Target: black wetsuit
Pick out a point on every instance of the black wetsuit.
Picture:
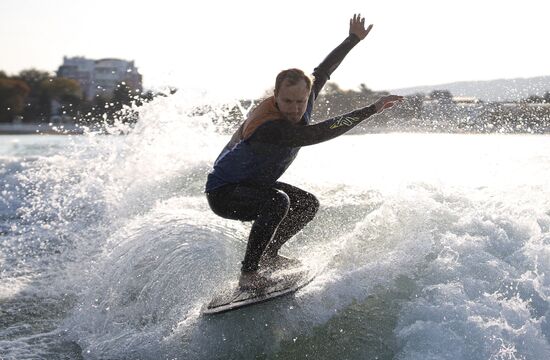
(243, 184)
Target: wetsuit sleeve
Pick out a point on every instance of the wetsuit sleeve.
(284, 133)
(326, 67)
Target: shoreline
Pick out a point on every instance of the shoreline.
(75, 129)
(40, 128)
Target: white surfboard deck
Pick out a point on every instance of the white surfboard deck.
(234, 297)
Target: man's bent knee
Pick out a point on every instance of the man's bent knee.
(310, 205)
(280, 203)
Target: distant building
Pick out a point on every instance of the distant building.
(100, 77)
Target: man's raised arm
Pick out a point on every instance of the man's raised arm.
(357, 32)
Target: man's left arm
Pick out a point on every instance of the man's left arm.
(284, 133)
(357, 32)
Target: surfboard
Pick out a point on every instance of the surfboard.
(234, 297)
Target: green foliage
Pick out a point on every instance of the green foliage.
(535, 99)
(12, 98)
(334, 101)
(33, 76)
(441, 95)
(37, 105)
(122, 96)
(61, 89)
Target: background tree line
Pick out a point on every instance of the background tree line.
(30, 94)
(34, 96)
(437, 111)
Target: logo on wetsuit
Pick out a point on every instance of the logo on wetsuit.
(343, 121)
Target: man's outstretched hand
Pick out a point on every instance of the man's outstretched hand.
(386, 102)
(357, 26)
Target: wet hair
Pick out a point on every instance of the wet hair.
(293, 76)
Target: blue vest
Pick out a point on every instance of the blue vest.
(262, 164)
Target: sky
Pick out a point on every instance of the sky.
(236, 48)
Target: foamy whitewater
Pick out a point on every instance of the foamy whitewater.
(428, 246)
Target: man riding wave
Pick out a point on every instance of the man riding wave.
(243, 184)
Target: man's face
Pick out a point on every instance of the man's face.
(292, 100)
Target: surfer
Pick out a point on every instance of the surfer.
(243, 184)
